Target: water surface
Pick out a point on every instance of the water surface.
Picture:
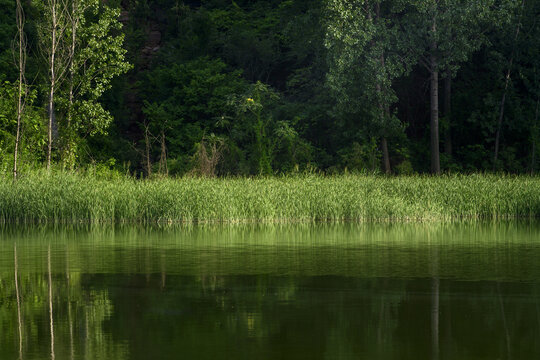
(327, 291)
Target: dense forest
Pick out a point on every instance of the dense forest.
(259, 87)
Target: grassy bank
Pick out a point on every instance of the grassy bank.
(71, 197)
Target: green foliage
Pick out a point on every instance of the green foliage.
(460, 28)
(250, 36)
(341, 74)
(253, 123)
(186, 100)
(364, 61)
(98, 58)
(272, 144)
(361, 157)
(7, 34)
(32, 125)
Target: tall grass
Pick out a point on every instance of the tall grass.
(67, 197)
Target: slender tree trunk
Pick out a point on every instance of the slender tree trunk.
(434, 118)
(52, 60)
(58, 59)
(74, 19)
(499, 121)
(50, 125)
(448, 113)
(19, 317)
(535, 136)
(163, 156)
(386, 157)
(70, 106)
(503, 99)
(434, 95)
(533, 159)
(384, 142)
(383, 107)
(21, 92)
(147, 148)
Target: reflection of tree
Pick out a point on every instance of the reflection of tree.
(104, 315)
(435, 305)
(19, 318)
(41, 313)
(504, 322)
(192, 297)
(51, 322)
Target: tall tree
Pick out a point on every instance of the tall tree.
(21, 64)
(76, 16)
(505, 90)
(94, 57)
(82, 43)
(441, 34)
(363, 65)
(53, 46)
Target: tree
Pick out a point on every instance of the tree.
(53, 46)
(252, 113)
(529, 71)
(31, 143)
(506, 82)
(81, 39)
(95, 56)
(363, 65)
(182, 103)
(441, 34)
(21, 63)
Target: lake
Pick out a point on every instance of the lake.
(298, 291)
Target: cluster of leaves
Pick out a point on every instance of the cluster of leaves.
(33, 126)
(85, 50)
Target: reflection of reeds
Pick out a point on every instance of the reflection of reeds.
(477, 250)
(62, 197)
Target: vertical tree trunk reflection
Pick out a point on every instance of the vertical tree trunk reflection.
(537, 309)
(50, 301)
(505, 324)
(435, 305)
(19, 317)
(71, 352)
(163, 270)
(70, 321)
(435, 318)
(382, 317)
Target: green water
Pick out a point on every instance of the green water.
(342, 291)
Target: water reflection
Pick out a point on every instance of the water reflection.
(385, 291)
(19, 319)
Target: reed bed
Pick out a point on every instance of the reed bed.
(70, 197)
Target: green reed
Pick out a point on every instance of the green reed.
(66, 197)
